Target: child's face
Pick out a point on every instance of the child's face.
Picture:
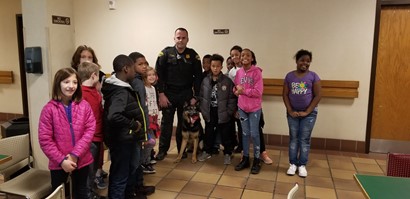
(246, 57)
(303, 63)
(141, 65)
(86, 56)
(151, 77)
(229, 64)
(236, 57)
(206, 63)
(68, 87)
(216, 67)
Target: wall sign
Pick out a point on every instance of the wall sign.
(221, 31)
(61, 20)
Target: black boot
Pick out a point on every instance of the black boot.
(256, 166)
(144, 190)
(243, 164)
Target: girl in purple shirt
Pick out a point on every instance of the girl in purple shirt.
(301, 95)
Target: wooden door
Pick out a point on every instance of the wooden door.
(390, 130)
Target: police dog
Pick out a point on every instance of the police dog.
(191, 125)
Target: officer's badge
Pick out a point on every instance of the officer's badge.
(187, 56)
(160, 54)
(223, 88)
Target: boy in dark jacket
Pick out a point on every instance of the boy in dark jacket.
(218, 103)
(123, 119)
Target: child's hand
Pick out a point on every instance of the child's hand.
(68, 165)
(239, 89)
(72, 158)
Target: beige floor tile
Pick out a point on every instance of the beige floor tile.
(317, 156)
(151, 180)
(260, 185)
(186, 164)
(268, 172)
(168, 162)
(382, 162)
(209, 168)
(318, 171)
(338, 157)
(188, 196)
(168, 184)
(275, 158)
(162, 194)
(341, 164)
(319, 192)
(364, 160)
(232, 181)
(198, 188)
(318, 163)
(284, 188)
(349, 154)
(318, 181)
(180, 174)
(280, 196)
(273, 152)
(370, 173)
(226, 192)
(282, 177)
(374, 168)
(384, 169)
(343, 194)
(161, 171)
(230, 170)
(349, 185)
(342, 174)
(252, 194)
(206, 178)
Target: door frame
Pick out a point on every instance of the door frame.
(379, 5)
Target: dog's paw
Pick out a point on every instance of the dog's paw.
(194, 160)
(177, 160)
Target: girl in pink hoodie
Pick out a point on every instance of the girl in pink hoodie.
(249, 89)
(65, 131)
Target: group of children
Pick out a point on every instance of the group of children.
(234, 97)
(74, 125)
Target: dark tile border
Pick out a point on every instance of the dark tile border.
(320, 143)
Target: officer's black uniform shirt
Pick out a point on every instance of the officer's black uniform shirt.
(178, 71)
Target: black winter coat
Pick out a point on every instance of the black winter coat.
(227, 101)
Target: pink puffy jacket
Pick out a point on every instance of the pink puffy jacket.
(55, 135)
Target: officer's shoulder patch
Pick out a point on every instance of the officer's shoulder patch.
(161, 54)
(197, 57)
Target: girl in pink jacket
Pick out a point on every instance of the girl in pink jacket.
(249, 89)
(66, 128)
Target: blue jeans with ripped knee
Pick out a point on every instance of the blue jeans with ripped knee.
(250, 129)
(300, 131)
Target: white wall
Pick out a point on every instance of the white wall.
(56, 42)
(340, 34)
(10, 94)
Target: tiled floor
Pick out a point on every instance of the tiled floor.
(330, 175)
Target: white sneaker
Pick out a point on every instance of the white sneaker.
(292, 170)
(302, 171)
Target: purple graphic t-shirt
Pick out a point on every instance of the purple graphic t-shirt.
(301, 89)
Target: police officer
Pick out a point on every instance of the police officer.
(179, 79)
